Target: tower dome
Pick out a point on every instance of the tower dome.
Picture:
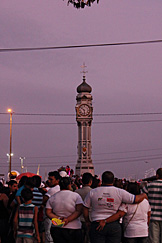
(84, 87)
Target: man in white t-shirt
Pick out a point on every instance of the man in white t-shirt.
(105, 201)
(53, 180)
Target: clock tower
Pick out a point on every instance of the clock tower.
(84, 119)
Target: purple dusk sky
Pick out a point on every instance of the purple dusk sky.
(124, 79)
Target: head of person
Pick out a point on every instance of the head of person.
(29, 183)
(96, 182)
(159, 174)
(12, 177)
(53, 178)
(26, 194)
(118, 183)
(107, 178)
(65, 183)
(133, 188)
(22, 181)
(12, 184)
(87, 179)
(36, 180)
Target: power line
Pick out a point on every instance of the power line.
(94, 154)
(39, 123)
(137, 121)
(102, 114)
(129, 114)
(73, 123)
(94, 161)
(73, 115)
(78, 46)
(142, 157)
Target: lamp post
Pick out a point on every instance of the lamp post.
(22, 163)
(10, 154)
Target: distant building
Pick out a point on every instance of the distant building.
(84, 112)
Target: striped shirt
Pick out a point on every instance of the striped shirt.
(154, 193)
(37, 197)
(26, 216)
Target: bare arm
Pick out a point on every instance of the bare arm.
(5, 200)
(45, 199)
(50, 213)
(86, 217)
(112, 218)
(12, 205)
(86, 214)
(140, 198)
(36, 223)
(148, 219)
(18, 200)
(115, 216)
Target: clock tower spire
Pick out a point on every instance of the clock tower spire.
(84, 119)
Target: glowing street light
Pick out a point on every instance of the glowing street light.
(10, 154)
(22, 163)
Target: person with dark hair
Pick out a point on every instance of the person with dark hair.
(53, 180)
(96, 182)
(107, 177)
(118, 183)
(87, 182)
(77, 181)
(66, 205)
(87, 178)
(105, 201)
(11, 192)
(25, 215)
(22, 181)
(21, 186)
(154, 192)
(28, 183)
(37, 180)
(3, 215)
(11, 183)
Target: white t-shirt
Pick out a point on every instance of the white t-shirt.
(137, 227)
(52, 191)
(106, 200)
(63, 204)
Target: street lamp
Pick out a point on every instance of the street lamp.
(22, 163)
(10, 154)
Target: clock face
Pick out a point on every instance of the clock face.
(84, 110)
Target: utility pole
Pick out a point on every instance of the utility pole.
(10, 154)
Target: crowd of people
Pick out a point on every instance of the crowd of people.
(86, 209)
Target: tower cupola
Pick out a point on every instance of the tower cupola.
(84, 87)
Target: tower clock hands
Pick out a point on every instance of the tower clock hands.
(84, 109)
